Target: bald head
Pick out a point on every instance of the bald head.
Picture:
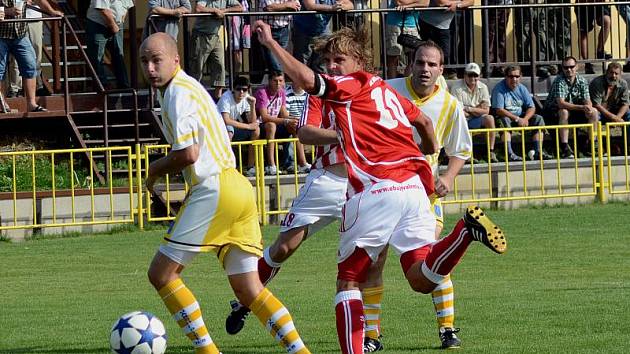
(160, 40)
(158, 54)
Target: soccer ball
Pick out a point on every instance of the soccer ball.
(138, 333)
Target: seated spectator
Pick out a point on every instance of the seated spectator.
(207, 47)
(14, 40)
(609, 94)
(309, 27)
(238, 109)
(276, 123)
(514, 107)
(104, 30)
(296, 100)
(171, 11)
(474, 96)
(587, 17)
(398, 57)
(570, 102)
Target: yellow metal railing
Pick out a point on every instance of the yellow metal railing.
(86, 201)
(100, 208)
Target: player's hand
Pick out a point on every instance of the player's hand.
(443, 186)
(264, 33)
(150, 183)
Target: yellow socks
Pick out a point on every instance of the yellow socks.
(372, 309)
(181, 303)
(443, 303)
(277, 319)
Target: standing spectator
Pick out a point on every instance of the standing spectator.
(104, 29)
(207, 47)
(587, 17)
(497, 22)
(435, 25)
(514, 107)
(552, 28)
(14, 40)
(238, 109)
(569, 101)
(241, 35)
(309, 27)
(475, 97)
(272, 112)
(624, 12)
(462, 29)
(35, 35)
(171, 11)
(296, 100)
(609, 94)
(279, 27)
(396, 23)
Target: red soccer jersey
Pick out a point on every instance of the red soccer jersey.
(373, 124)
(315, 115)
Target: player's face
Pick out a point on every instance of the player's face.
(426, 67)
(341, 64)
(158, 67)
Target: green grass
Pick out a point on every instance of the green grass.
(563, 287)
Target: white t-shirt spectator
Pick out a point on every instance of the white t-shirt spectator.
(237, 111)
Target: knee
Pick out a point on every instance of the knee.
(563, 116)
(421, 287)
(157, 278)
(270, 130)
(488, 121)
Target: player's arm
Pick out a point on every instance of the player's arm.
(424, 126)
(173, 162)
(458, 148)
(311, 135)
(301, 74)
(446, 180)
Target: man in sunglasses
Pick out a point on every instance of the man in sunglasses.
(514, 107)
(238, 109)
(569, 101)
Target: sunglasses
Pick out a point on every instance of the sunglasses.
(514, 76)
(567, 67)
(242, 89)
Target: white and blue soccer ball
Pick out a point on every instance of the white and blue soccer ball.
(138, 333)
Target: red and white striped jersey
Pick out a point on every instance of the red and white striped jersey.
(315, 115)
(374, 129)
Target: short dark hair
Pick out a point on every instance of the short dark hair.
(241, 81)
(275, 73)
(508, 69)
(613, 65)
(429, 44)
(569, 57)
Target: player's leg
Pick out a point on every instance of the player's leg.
(349, 314)
(443, 295)
(164, 275)
(424, 276)
(372, 293)
(241, 268)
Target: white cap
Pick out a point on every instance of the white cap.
(472, 68)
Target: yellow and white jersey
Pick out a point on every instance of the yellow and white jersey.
(189, 116)
(447, 115)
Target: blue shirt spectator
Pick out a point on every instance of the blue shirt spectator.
(514, 101)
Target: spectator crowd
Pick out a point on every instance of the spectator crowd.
(273, 111)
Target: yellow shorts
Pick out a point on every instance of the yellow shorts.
(436, 207)
(219, 213)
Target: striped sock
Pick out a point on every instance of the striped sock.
(277, 319)
(350, 321)
(444, 303)
(181, 303)
(372, 309)
(446, 253)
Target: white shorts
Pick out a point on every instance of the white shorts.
(236, 261)
(319, 202)
(398, 214)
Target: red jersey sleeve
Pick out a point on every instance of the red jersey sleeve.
(312, 113)
(341, 88)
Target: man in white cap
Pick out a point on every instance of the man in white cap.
(475, 97)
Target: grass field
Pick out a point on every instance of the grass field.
(563, 287)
